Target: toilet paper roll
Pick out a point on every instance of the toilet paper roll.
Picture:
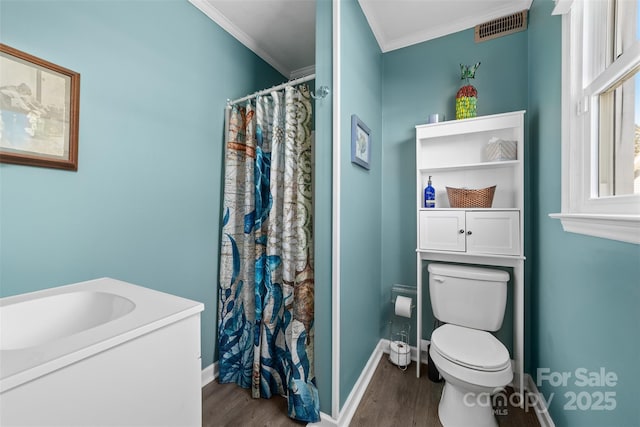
(403, 306)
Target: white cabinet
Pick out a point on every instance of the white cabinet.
(442, 230)
(493, 232)
(477, 232)
(454, 154)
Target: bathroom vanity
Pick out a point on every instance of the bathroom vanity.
(100, 353)
(458, 154)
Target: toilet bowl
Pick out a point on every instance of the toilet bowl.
(474, 364)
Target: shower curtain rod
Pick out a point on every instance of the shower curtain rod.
(271, 89)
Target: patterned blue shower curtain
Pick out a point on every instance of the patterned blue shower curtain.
(266, 307)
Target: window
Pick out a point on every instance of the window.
(619, 139)
(601, 118)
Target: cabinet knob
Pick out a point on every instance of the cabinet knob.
(461, 231)
(469, 233)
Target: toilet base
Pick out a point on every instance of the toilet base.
(462, 408)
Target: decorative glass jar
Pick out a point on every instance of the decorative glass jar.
(467, 96)
(466, 102)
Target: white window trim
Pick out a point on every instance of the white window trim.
(616, 218)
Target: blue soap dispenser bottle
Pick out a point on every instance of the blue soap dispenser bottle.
(429, 195)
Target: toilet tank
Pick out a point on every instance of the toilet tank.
(468, 296)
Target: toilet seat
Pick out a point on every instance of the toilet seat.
(471, 348)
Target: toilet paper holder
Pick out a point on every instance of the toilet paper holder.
(399, 348)
(405, 291)
(402, 290)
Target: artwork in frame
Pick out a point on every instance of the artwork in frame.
(39, 110)
(360, 143)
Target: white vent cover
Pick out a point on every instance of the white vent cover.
(501, 27)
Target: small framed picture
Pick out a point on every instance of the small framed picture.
(360, 143)
(39, 108)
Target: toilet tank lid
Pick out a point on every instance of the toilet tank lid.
(466, 272)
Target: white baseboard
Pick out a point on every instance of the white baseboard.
(360, 387)
(325, 421)
(544, 418)
(209, 373)
(357, 392)
(414, 351)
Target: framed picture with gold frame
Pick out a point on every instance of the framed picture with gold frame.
(39, 111)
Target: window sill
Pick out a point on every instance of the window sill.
(625, 228)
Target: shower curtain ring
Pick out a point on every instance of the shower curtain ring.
(321, 92)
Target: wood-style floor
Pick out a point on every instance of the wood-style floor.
(394, 398)
(230, 405)
(397, 398)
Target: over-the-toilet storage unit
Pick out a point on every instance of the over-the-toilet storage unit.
(454, 154)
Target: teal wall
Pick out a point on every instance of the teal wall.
(144, 206)
(360, 197)
(585, 293)
(417, 81)
(323, 208)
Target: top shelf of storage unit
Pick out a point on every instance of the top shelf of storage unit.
(474, 125)
(461, 144)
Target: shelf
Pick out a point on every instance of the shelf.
(512, 120)
(424, 252)
(472, 166)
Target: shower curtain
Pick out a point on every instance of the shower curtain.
(266, 295)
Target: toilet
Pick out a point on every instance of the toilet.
(474, 364)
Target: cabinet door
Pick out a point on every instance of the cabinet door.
(442, 230)
(493, 232)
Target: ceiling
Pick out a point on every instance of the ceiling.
(282, 32)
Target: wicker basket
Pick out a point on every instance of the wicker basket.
(466, 198)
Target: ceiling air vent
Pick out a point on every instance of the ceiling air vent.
(501, 27)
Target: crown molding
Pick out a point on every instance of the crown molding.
(217, 17)
(450, 27)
